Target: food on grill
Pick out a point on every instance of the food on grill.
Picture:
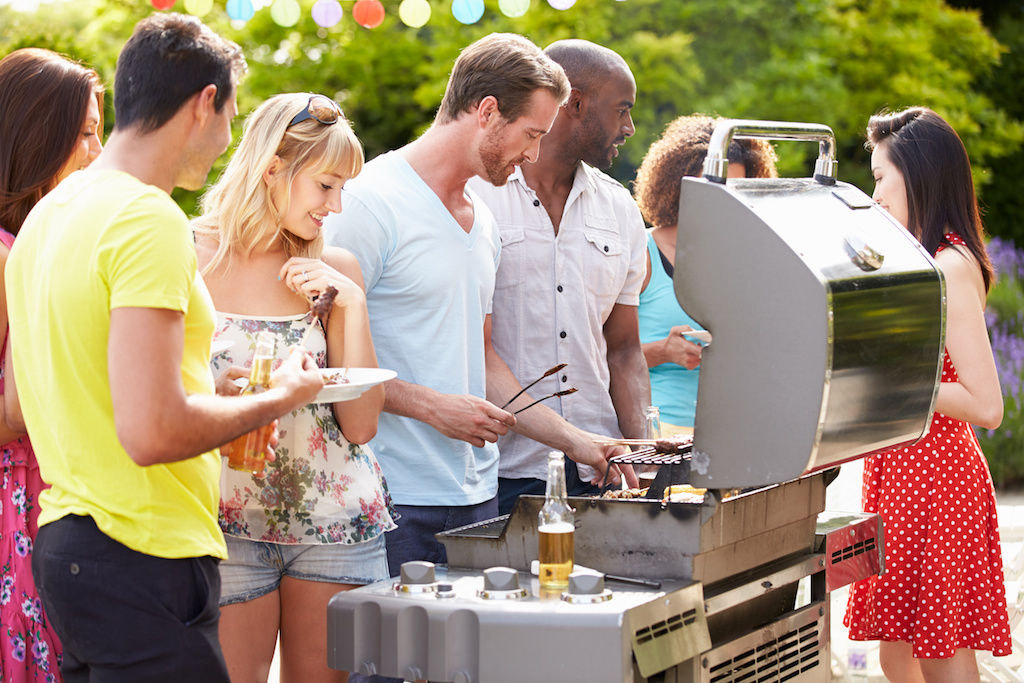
(677, 493)
(624, 493)
(673, 445)
(340, 377)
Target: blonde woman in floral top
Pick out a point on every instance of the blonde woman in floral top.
(315, 523)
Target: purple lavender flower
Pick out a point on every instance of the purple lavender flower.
(1006, 259)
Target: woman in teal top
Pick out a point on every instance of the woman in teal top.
(673, 356)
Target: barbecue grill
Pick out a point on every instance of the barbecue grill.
(828, 330)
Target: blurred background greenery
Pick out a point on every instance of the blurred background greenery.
(825, 61)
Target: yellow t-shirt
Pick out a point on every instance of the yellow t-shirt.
(103, 240)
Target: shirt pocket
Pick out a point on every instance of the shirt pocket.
(603, 259)
(511, 265)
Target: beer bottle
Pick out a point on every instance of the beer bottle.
(652, 431)
(555, 528)
(248, 451)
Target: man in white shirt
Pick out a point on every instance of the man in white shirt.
(428, 249)
(568, 284)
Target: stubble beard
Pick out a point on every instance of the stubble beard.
(497, 169)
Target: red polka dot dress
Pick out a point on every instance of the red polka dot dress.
(943, 583)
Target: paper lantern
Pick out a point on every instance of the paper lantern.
(240, 10)
(561, 4)
(414, 13)
(162, 4)
(198, 7)
(285, 12)
(468, 11)
(326, 13)
(513, 8)
(368, 13)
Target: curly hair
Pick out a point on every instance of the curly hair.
(679, 152)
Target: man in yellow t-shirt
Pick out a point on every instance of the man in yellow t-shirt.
(110, 330)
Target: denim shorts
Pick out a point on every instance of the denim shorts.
(255, 568)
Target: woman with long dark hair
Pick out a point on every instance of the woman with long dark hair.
(942, 594)
(51, 117)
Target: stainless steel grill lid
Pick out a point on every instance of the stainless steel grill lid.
(827, 318)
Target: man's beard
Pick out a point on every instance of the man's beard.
(496, 168)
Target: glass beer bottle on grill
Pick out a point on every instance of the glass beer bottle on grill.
(652, 432)
(248, 452)
(555, 528)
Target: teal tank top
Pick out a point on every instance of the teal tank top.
(673, 387)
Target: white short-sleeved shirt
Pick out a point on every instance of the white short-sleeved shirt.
(554, 293)
(429, 285)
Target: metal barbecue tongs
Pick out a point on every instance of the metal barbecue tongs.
(551, 371)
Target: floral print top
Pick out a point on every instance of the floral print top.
(321, 488)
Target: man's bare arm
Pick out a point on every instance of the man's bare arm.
(630, 385)
(156, 420)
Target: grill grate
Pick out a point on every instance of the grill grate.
(777, 660)
(648, 456)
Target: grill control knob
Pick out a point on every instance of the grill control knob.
(586, 583)
(417, 573)
(501, 579)
(501, 583)
(586, 587)
(417, 577)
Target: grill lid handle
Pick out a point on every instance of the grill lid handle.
(716, 164)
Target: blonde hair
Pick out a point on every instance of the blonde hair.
(238, 211)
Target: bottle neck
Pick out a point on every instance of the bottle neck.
(556, 480)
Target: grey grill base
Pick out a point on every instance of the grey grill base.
(794, 647)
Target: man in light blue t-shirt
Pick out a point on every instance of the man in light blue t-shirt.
(429, 250)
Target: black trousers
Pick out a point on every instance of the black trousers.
(122, 615)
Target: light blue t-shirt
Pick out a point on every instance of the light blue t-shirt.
(673, 387)
(429, 286)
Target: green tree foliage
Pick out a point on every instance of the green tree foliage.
(827, 61)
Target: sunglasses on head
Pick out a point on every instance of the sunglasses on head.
(320, 108)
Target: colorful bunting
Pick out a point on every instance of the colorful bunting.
(513, 8)
(326, 13)
(467, 11)
(414, 13)
(368, 13)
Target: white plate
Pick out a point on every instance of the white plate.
(359, 380)
(219, 346)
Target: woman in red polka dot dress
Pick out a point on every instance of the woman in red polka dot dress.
(942, 594)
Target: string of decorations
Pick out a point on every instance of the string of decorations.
(367, 13)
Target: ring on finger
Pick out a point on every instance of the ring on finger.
(305, 276)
